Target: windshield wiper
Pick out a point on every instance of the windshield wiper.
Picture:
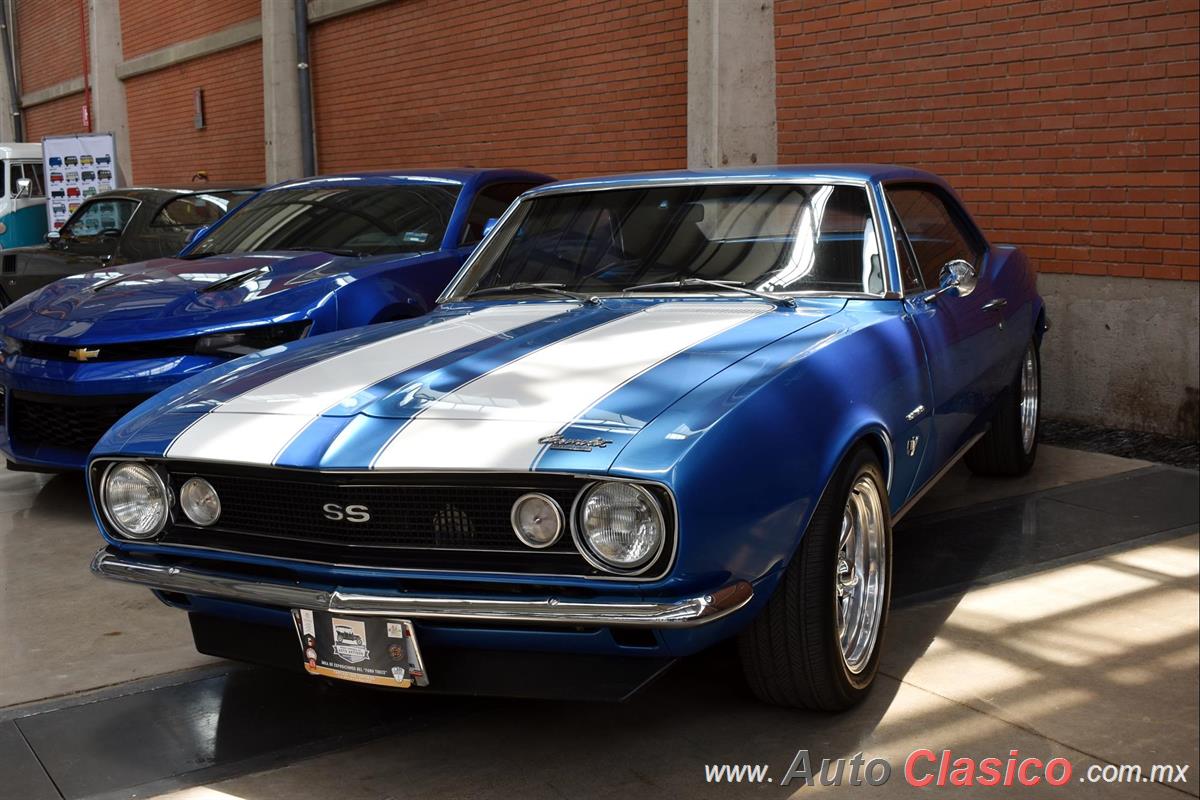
(333, 251)
(549, 288)
(733, 286)
(195, 256)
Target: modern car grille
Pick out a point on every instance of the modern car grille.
(157, 348)
(425, 521)
(124, 351)
(70, 423)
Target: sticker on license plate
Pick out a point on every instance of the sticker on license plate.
(373, 650)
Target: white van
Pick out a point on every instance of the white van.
(23, 201)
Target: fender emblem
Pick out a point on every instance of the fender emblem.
(559, 442)
(83, 354)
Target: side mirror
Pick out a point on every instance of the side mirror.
(52, 238)
(24, 188)
(195, 235)
(487, 226)
(957, 278)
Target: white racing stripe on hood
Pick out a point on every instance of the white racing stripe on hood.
(495, 421)
(255, 427)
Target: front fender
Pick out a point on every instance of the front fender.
(749, 454)
(405, 289)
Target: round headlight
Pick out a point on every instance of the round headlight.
(537, 520)
(621, 526)
(199, 501)
(135, 500)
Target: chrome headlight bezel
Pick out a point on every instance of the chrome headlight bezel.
(584, 547)
(119, 529)
(196, 480)
(560, 518)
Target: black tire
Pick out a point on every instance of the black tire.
(791, 653)
(1001, 452)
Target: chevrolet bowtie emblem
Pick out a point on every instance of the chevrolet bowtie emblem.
(83, 354)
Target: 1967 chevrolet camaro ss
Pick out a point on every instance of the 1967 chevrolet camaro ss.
(652, 412)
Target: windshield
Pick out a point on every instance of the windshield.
(775, 238)
(370, 220)
(194, 210)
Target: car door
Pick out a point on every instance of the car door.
(960, 328)
(86, 242)
(93, 233)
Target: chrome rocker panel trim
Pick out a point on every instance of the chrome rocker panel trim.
(684, 613)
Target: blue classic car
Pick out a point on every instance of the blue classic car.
(299, 259)
(652, 412)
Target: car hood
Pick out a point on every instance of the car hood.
(152, 298)
(475, 386)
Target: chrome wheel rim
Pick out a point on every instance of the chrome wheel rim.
(860, 574)
(1029, 399)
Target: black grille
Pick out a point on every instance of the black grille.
(400, 515)
(416, 521)
(124, 351)
(70, 423)
(259, 337)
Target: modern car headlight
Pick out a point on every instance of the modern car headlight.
(537, 520)
(9, 346)
(250, 340)
(200, 502)
(621, 526)
(135, 500)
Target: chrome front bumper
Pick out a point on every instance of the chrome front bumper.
(683, 613)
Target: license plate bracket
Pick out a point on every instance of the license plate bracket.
(381, 651)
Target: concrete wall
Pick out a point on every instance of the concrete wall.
(1122, 352)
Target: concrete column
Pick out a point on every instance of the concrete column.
(281, 92)
(108, 92)
(7, 128)
(731, 83)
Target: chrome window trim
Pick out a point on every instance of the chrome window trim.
(137, 206)
(937, 189)
(889, 284)
(545, 577)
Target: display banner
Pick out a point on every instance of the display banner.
(77, 166)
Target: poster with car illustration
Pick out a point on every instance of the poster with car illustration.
(80, 165)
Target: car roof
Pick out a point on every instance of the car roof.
(857, 173)
(162, 193)
(395, 177)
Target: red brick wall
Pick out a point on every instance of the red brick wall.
(148, 25)
(1069, 127)
(59, 116)
(567, 86)
(51, 47)
(167, 148)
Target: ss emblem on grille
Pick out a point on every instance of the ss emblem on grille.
(348, 513)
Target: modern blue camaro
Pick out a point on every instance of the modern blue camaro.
(300, 259)
(651, 413)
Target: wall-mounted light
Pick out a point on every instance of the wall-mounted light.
(198, 102)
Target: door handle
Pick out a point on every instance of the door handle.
(995, 304)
